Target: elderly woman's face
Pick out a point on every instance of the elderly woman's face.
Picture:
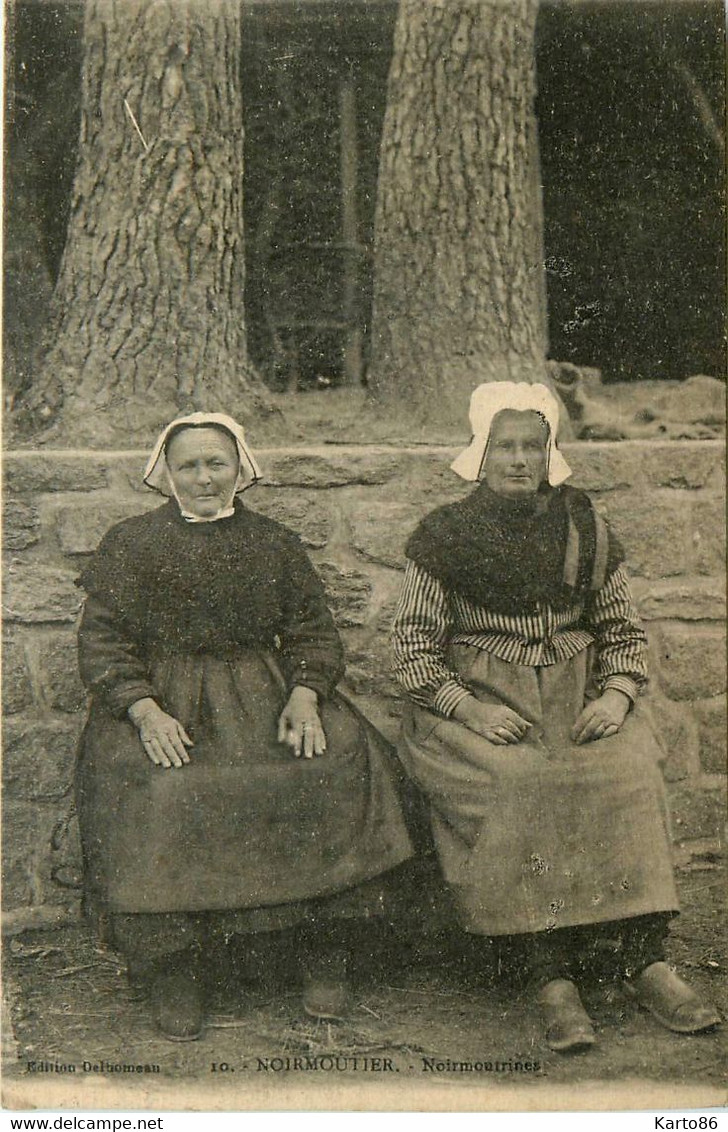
(203, 465)
(516, 459)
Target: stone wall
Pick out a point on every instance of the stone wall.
(353, 508)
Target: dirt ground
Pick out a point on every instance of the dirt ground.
(420, 1002)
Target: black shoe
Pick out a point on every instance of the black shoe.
(325, 987)
(139, 976)
(178, 1006)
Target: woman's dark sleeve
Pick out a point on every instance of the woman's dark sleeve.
(312, 650)
(109, 661)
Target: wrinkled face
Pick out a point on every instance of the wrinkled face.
(203, 465)
(516, 458)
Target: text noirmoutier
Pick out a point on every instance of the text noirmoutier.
(327, 1063)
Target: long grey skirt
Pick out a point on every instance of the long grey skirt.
(245, 825)
(543, 834)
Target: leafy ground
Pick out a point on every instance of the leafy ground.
(416, 999)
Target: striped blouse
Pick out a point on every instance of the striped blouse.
(429, 618)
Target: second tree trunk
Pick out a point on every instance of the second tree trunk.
(459, 294)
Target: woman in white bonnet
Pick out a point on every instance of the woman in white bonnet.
(224, 786)
(521, 652)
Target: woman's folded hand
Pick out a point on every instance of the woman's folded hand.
(602, 717)
(299, 725)
(495, 722)
(163, 737)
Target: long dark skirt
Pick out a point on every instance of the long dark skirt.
(543, 834)
(245, 827)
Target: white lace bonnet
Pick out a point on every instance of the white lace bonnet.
(492, 398)
(156, 474)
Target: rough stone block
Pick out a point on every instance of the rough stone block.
(128, 469)
(717, 478)
(603, 466)
(697, 812)
(35, 593)
(708, 534)
(42, 917)
(609, 465)
(380, 531)
(16, 687)
(62, 687)
(699, 399)
(677, 731)
(21, 525)
(54, 471)
(369, 669)
(712, 726)
(67, 859)
(27, 830)
(692, 660)
(687, 465)
(654, 528)
(348, 592)
(309, 515)
(38, 759)
(686, 599)
(389, 603)
(428, 481)
(430, 484)
(80, 529)
(332, 467)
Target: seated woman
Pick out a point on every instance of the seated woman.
(518, 644)
(223, 786)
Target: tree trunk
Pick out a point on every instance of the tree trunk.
(148, 313)
(459, 288)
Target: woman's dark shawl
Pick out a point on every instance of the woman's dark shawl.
(243, 582)
(510, 556)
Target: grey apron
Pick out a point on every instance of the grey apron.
(543, 834)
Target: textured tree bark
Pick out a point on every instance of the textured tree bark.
(148, 313)
(459, 289)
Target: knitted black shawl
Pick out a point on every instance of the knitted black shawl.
(240, 582)
(508, 555)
